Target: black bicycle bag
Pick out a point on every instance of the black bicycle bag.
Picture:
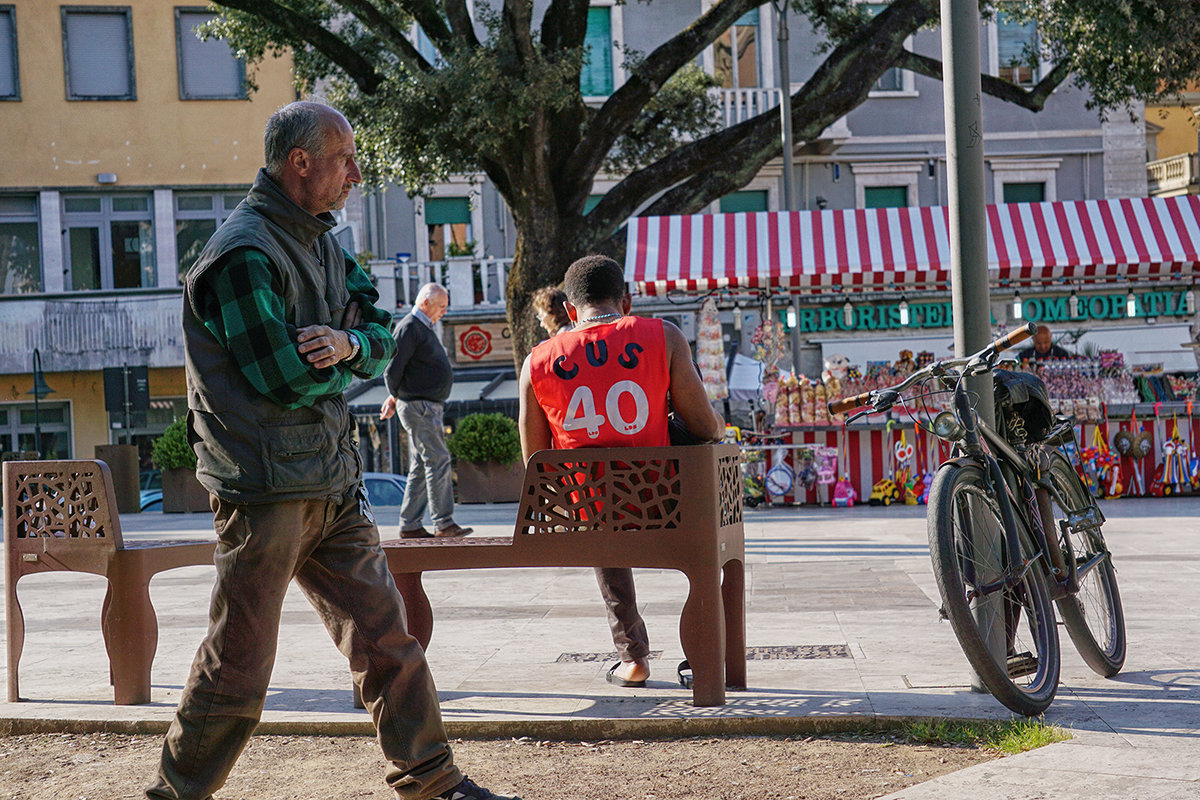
(1023, 410)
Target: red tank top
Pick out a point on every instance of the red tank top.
(604, 385)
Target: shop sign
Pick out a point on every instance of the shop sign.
(881, 316)
(482, 343)
(1169, 303)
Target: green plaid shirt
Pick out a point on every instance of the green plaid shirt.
(244, 310)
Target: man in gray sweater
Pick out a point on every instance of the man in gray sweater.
(418, 380)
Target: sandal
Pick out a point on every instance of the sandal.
(611, 677)
(684, 671)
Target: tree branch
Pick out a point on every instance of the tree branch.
(623, 106)
(397, 42)
(1033, 99)
(461, 23)
(564, 25)
(303, 30)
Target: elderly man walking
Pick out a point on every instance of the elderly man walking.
(277, 321)
(419, 380)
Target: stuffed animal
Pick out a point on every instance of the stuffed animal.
(836, 366)
(906, 365)
(844, 494)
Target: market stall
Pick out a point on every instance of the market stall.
(1114, 278)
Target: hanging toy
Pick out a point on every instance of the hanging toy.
(844, 493)
(1175, 459)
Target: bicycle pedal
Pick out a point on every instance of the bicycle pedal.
(1022, 664)
(942, 615)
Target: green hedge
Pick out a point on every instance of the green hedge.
(171, 450)
(485, 437)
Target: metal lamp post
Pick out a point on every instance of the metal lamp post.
(40, 389)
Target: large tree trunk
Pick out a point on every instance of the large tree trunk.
(542, 253)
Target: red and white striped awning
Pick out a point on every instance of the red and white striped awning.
(891, 248)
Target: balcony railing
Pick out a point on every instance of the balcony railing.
(1174, 176)
(739, 105)
(473, 283)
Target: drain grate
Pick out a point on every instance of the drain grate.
(797, 651)
(585, 658)
(790, 652)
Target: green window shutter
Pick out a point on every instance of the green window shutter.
(885, 196)
(592, 201)
(596, 78)
(744, 201)
(447, 210)
(1024, 192)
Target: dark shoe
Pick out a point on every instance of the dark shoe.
(467, 790)
(454, 530)
(612, 678)
(416, 533)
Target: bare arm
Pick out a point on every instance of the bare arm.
(687, 391)
(531, 421)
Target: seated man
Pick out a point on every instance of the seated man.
(605, 383)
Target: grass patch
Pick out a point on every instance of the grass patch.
(1011, 737)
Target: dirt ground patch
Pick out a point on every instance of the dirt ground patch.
(116, 767)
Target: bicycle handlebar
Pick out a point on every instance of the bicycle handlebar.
(1003, 343)
(847, 403)
(1013, 337)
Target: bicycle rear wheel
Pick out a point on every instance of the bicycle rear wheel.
(1093, 617)
(964, 517)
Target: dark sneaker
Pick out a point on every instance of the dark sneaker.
(468, 790)
(454, 530)
(416, 533)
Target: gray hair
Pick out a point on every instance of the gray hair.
(429, 291)
(302, 124)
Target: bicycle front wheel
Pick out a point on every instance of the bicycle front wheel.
(1008, 631)
(1093, 617)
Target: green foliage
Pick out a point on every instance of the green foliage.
(485, 437)
(1011, 737)
(171, 450)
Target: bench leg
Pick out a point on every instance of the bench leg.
(702, 633)
(130, 635)
(733, 595)
(416, 606)
(14, 623)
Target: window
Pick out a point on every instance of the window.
(893, 79)
(744, 201)
(98, 53)
(592, 201)
(736, 53)
(19, 425)
(196, 219)
(108, 241)
(885, 196)
(10, 84)
(208, 69)
(448, 221)
(20, 249)
(1017, 50)
(596, 78)
(1024, 192)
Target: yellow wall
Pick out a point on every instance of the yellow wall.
(85, 393)
(153, 141)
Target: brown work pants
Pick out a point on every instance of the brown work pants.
(620, 598)
(332, 550)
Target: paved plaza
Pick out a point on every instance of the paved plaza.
(842, 627)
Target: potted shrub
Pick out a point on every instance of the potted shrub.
(172, 454)
(487, 448)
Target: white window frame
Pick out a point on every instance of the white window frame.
(617, 31)
(908, 84)
(1024, 170)
(11, 12)
(992, 33)
(468, 186)
(127, 12)
(767, 68)
(887, 173)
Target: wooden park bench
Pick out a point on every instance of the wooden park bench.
(62, 516)
(653, 507)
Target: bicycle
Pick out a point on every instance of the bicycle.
(1011, 529)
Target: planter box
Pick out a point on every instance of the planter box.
(488, 482)
(182, 493)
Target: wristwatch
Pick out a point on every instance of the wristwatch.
(355, 346)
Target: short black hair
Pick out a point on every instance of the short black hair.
(594, 279)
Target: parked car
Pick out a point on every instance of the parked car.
(150, 479)
(151, 499)
(384, 488)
